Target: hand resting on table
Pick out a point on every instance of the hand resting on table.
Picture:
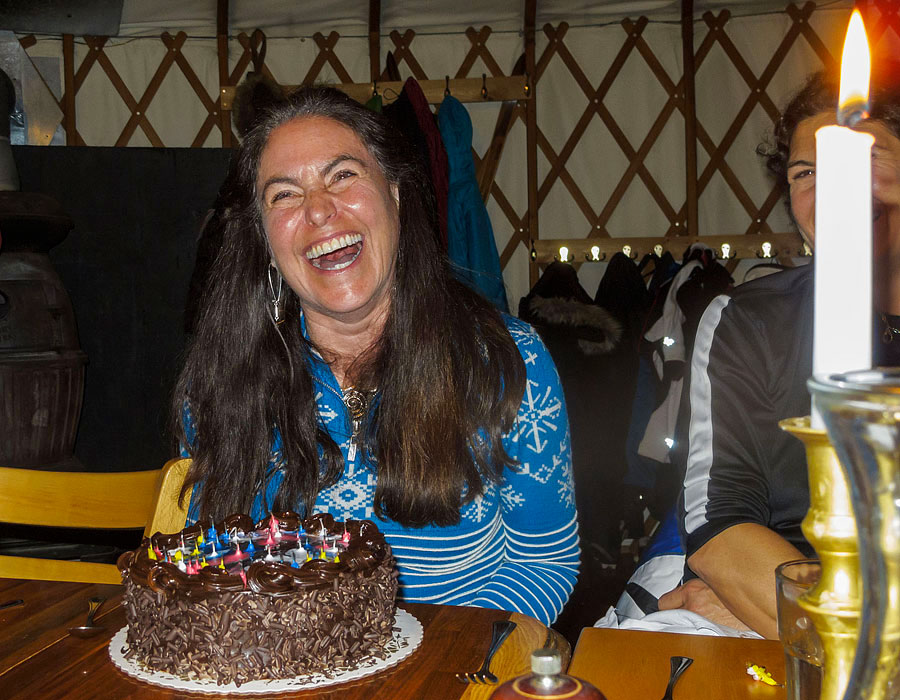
(698, 597)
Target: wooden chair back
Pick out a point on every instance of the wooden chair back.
(167, 515)
(96, 500)
(92, 500)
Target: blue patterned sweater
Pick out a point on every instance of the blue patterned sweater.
(516, 545)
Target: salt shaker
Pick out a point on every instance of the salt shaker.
(546, 680)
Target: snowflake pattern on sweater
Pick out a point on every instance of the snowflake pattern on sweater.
(516, 545)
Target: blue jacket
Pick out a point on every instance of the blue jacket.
(470, 237)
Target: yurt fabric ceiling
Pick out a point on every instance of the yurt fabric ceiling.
(608, 92)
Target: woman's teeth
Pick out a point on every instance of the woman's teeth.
(332, 245)
(336, 253)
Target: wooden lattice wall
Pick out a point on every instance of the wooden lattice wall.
(584, 155)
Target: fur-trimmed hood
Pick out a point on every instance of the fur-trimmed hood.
(597, 330)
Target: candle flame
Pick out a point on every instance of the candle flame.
(853, 100)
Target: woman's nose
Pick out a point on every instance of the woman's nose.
(319, 207)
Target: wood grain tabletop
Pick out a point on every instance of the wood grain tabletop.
(634, 665)
(39, 659)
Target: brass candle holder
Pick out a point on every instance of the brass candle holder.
(854, 525)
(835, 603)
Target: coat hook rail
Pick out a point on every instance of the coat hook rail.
(789, 245)
(483, 89)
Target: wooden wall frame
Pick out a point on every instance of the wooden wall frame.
(516, 90)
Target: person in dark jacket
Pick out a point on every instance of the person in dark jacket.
(745, 487)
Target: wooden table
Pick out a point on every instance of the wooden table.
(632, 665)
(39, 659)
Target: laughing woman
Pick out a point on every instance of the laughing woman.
(339, 366)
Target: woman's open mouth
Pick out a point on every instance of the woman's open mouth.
(337, 253)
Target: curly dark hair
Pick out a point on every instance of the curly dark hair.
(820, 94)
(449, 374)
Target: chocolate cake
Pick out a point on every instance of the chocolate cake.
(277, 599)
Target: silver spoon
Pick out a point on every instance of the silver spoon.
(89, 629)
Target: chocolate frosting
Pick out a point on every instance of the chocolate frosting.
(365, 551)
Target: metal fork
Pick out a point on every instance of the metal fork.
(501, 630)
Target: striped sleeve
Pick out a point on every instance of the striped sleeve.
(725, 480)
(539, 524)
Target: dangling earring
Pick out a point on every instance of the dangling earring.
(276, 303)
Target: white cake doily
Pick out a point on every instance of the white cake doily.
(407, 637)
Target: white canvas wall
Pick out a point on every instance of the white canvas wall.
(594, 38)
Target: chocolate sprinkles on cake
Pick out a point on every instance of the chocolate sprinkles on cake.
(233, 618)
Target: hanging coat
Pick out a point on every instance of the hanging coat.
(403, 114)
(696, 284)
(470, 237)
(437, 154)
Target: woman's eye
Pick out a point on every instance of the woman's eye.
(342, 175)
(800, 174)
(279, 196)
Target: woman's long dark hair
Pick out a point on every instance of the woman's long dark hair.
(449, 375)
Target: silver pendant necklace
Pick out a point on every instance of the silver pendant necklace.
(357, 403)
